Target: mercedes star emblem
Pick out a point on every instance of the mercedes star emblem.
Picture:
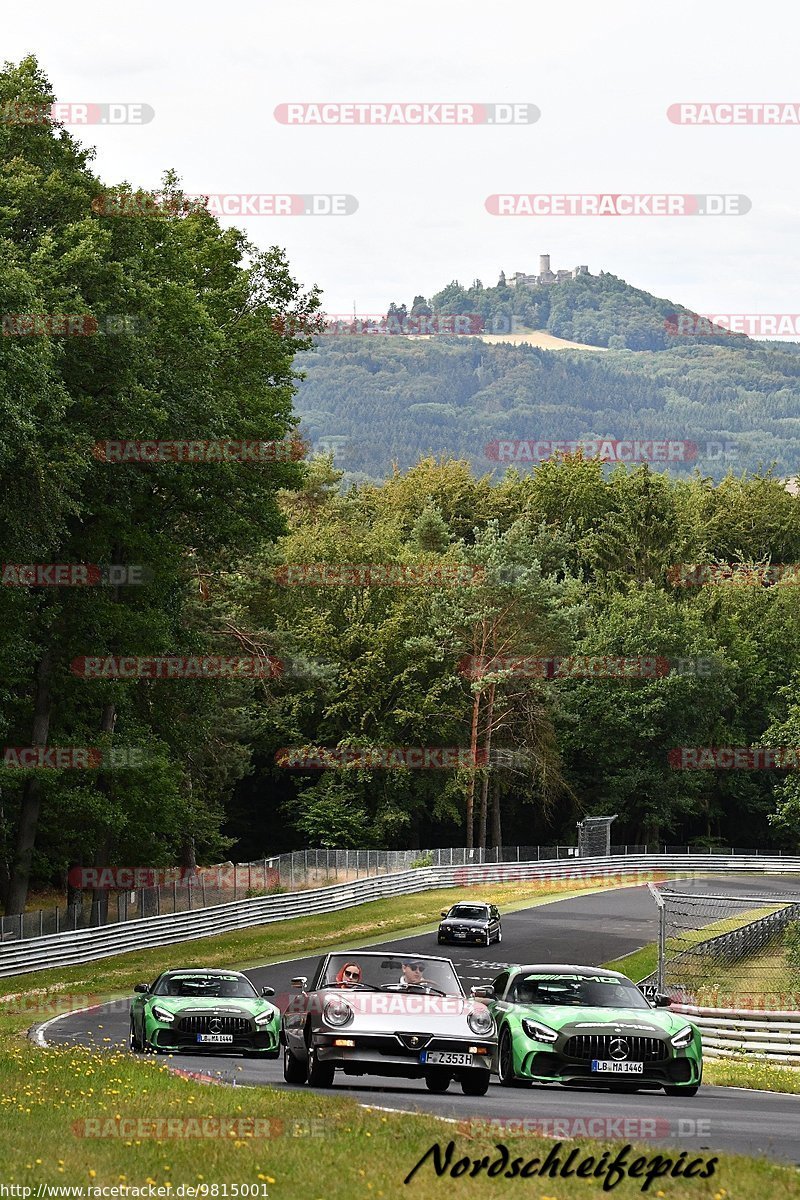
(618, 1048)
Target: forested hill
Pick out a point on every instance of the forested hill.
(598, 310)
(376, 400)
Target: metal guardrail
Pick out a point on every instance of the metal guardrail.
(736, 1032)
(86, 945)
(183, 889)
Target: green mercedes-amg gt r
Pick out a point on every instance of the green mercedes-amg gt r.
(589, 1026)
(201, 1009)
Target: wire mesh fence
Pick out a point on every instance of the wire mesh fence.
(740, 952)
(227, 882)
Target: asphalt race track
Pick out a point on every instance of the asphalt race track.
(585, 929)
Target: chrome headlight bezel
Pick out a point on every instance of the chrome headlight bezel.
(538, 1032)
(162, 1014)
(265, 1017)
(480, 1021)
(337, 1013)
(683, 1038)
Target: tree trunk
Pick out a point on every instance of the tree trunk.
(473, 746)
(497, 832)
(31, 801)
(486, 769)
(100, 895)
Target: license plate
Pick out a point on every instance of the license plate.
(617, 1068)
(216, 1038)
(445, 1058)
(461, 935)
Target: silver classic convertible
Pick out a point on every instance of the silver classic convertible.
(368, 1013)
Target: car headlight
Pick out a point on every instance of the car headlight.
(480, 1021)
(265, 1018)
(682, 1038)
(337, 1012)
(539, 1032)
(162, 1014)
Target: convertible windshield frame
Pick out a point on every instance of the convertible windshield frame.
(384, 972)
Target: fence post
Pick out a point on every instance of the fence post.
(58, 919)
(291, 872)
(41, 923)
(21, 927)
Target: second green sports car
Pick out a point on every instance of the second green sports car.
(589, 1026)
(204, 1009)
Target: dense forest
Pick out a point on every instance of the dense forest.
(375, 401)
(499, 598)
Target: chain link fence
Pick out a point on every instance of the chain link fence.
(738, 952)
(227, 882)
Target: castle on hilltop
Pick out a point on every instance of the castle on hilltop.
(545, 276)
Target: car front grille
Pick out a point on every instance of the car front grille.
(586, 1046)
(200, 1022)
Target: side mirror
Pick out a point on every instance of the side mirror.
(142, 987)
(300, 982)
(484, 991)
(268, 991)
(444, 912)
(661, 1001)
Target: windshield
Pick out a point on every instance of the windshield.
(392, 972)
(197, 984)
(469, 912)
(595, 991)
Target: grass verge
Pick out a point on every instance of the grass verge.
(76, 1116)
(79, 1117)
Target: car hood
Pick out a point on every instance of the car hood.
(644, 1022)
(230, 1006)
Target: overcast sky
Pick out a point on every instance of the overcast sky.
(603, 76)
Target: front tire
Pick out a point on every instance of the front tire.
(505, 1060)
(320, 1074)
(134, 1044)
(294, 1069)
(499, 936)
(476, 1083)
(437, 1081)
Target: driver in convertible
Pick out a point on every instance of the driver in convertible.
(349, 975)
(413, 975)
